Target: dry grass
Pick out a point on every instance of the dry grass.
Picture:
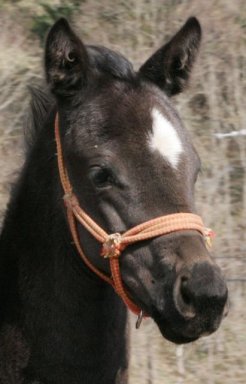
(215, 103)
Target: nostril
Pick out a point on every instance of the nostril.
(183, 297)
(201, 291)
(184, 290)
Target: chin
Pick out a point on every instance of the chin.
(183, 332)
(176, 337)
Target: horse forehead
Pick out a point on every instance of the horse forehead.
(164, 138)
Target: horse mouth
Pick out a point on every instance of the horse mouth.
(182, 331)
(174, 327)
(167, 331)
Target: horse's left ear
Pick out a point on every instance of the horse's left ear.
(170, 66)
(66, 59)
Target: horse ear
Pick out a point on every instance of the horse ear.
(66, 59)
(170, 66)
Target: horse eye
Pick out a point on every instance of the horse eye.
(101, 177)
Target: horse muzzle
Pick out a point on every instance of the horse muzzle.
(199, 303)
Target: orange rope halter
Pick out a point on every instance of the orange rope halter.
(114, 244)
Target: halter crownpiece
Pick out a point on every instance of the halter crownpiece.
(114, 244)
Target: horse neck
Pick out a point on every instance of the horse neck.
(86, 320)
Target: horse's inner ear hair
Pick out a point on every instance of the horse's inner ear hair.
(71, 57)
(65, 51)
(169, 68)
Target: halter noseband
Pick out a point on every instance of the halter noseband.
(114, 244)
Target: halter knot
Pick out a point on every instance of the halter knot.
(209, 235)
(112, 247)
(70, 200)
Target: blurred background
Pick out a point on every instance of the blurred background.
(213, 109)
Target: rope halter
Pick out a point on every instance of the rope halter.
(114, 244)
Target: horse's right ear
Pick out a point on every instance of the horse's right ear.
(66, 59)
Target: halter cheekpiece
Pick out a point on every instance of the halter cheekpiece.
(114, 244)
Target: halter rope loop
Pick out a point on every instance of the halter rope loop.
(114, 244)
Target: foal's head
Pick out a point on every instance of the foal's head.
(130, 160)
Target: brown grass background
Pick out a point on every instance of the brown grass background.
(214, 111)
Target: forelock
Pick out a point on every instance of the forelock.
(111, 63)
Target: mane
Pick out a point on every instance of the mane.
(41, 105)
